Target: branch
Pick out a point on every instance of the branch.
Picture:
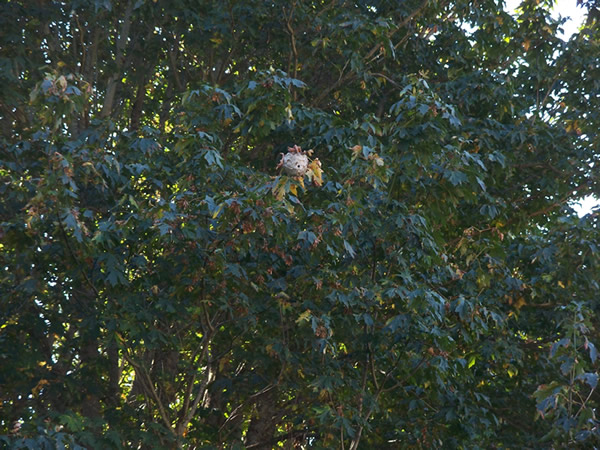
(149, 387)
(356, 440)
(286, 436)
(113, 81)
(372, 364)
(550, 89)
(410, 17)
(375, 74)
(342, 79)
(187, 418)
(173, 61)
(345, 78)
(540, 166)
(560, 202)
(294, 53)
(267, 388)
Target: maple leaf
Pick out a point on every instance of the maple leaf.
(315, 172)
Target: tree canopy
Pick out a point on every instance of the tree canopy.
(425, 284)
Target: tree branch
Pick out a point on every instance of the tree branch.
(113, 81)
(149, 387)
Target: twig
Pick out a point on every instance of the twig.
(376, 74)
(585, 401)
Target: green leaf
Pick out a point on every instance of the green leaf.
(593, 352)
(590, 378)
(349, 249)
(455, 177)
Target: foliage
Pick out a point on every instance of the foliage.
(426, 285)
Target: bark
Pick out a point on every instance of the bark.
(138, 384)
(90, 56)
(90, 406)
(138, 106)
(114, 80)
(166, 106)
(114, 374)
(90, 370)
(165, 369)
(264, 422)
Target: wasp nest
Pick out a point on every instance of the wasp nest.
(294, 162)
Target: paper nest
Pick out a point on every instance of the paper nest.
(295, 164)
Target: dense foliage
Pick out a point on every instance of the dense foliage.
(427, 285)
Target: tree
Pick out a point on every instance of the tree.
(425, 285)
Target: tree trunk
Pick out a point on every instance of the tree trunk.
(138, 105)
(264, 422)
(114, 80)
(114, 374)
(89, 355)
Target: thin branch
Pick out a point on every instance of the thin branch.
(372, 364)
(294, 50)
(585, 402)
(264, 390)
(356, 440)
(328, 7)
(408, 18)
(272, 443)
(376, 74)
(550, 89)
(368, 57)
(341, 80)
(189, 414)
(149, 387)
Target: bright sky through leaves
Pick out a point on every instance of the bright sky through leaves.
(562, 8)
(575, 15)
